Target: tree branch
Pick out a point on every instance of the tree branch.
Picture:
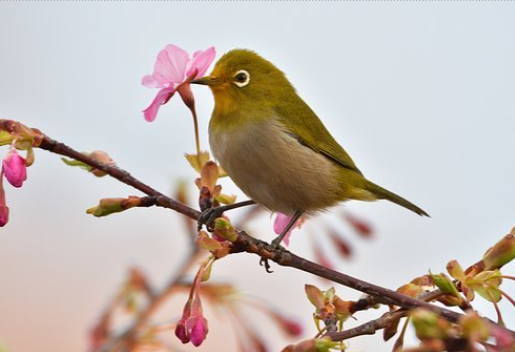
(249, 244)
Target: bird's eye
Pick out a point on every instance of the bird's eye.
(241, 78)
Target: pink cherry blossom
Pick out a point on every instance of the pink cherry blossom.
(173, 68)
(193, 326)
(14, 168)
(280, 223)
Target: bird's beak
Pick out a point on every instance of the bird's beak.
(207, 81)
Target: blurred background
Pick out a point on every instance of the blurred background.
(421, 94)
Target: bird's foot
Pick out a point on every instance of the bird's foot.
(264, 262)
(274, 246)
(208, 216)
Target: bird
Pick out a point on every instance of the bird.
(274, 146)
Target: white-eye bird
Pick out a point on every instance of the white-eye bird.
(275, 148)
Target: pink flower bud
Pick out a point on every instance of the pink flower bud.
(14, 168)
(290, 326)
(198, 329)
(193, 326)
(4, 215)
(180, 332)
(359, 225)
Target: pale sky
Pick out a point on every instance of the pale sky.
(420, 94)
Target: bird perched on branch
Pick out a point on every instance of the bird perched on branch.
(275, 148)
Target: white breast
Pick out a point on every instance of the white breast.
(274, 169)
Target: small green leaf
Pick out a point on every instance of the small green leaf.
(445, 284)
(197, 161)
(5, 138)
(486, 284)
(73, 162)
(226, 199)
(207, 243)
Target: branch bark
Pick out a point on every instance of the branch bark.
(249, 244)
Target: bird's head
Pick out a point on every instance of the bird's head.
(242, 78)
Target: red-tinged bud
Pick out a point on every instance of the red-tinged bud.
(342, 308)
(304, 346)
(209, 175)
(411, 290)
(292, 327)
(320, 257)
(340, 244)
(14, 167)
(289, 326)
(180, 332)
(102, 157)
(501, 253)
(360, 226)
(187, 95)
(315, 296)
(109, 206)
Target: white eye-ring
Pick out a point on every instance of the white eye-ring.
(241, 78)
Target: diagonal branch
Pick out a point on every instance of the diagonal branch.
(121, 175)
(249, 244)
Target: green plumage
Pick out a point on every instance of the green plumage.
(275, 147)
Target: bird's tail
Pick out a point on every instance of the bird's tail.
(382, 193)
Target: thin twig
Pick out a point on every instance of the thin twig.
(246, 243)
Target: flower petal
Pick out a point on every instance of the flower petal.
(171, 63)
(280, 223)
(14, 168)
(150, 82)
(162, 97)
(197, 326)
(180, 332)
(201, 61)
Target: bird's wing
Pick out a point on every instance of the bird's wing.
(302, 123)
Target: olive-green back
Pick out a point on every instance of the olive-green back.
(305, 125)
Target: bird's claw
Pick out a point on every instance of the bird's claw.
(275, 245)
(264, 262)
(207, 217)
